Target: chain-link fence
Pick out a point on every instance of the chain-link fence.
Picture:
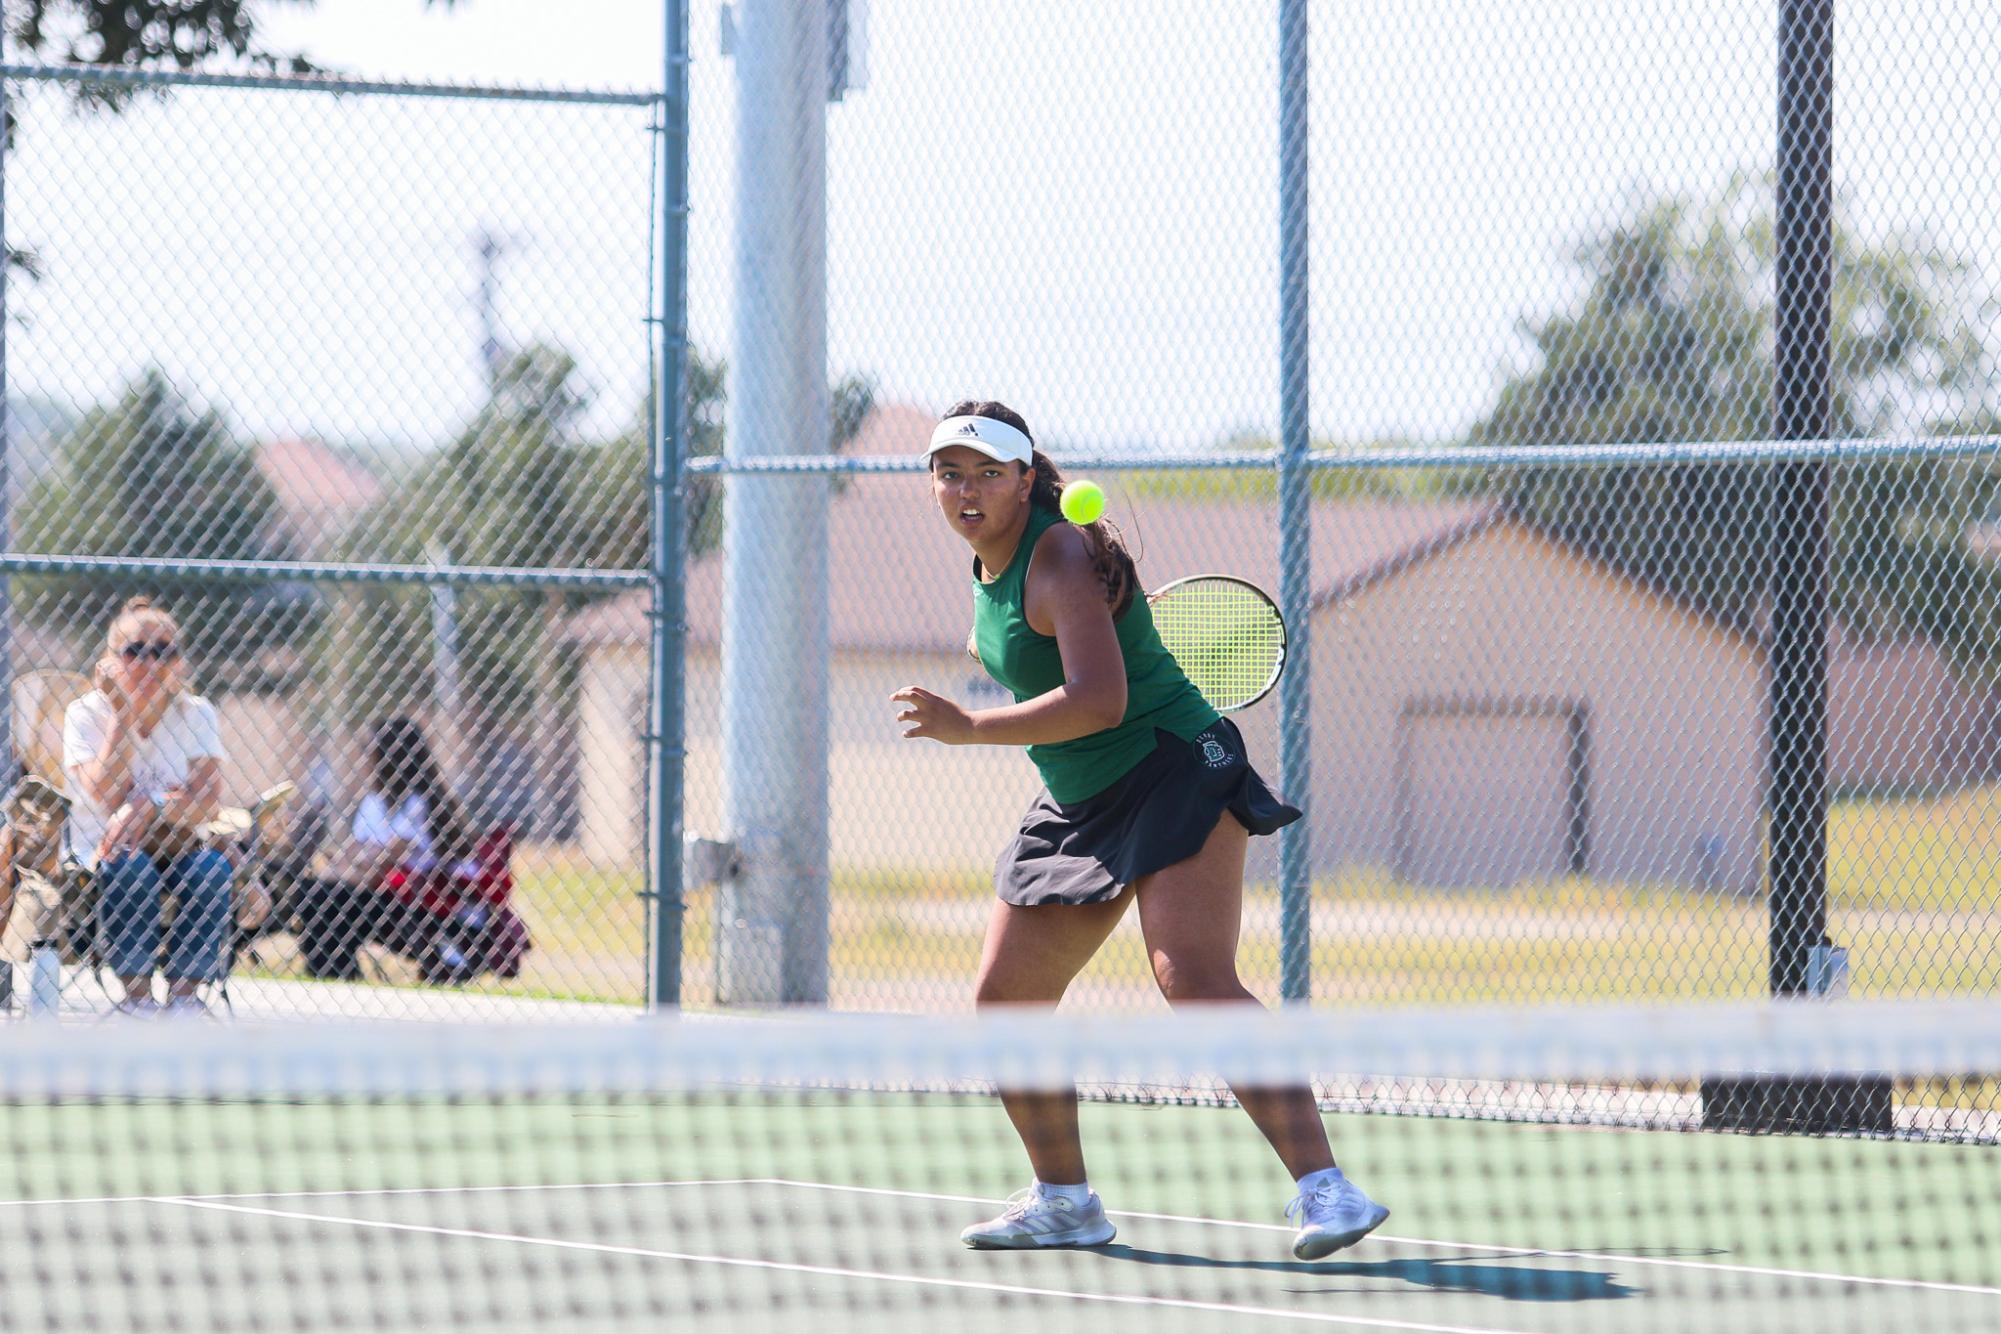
(1537, 593)
(353, 381)
(1543, 605)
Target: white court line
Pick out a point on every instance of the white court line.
(1928, 1285)
(1711, 1265)
(829, 1271)
(370, 1192)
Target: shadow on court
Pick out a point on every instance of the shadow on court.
(1524, 1283)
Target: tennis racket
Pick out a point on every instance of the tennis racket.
(1226, 634)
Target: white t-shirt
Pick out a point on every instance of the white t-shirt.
(378, 826)
(189, 731)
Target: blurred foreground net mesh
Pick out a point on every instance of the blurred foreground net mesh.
(815, 1172)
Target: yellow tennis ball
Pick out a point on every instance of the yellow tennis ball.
(1083, 502)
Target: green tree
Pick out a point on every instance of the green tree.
(613, 507)
(518, 488)
(1671, 340)
(500, 494)
(149, 476)
(612, 500)
(136, 34)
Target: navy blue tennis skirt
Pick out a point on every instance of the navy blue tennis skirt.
(1160, 813)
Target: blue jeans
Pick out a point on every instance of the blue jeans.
(130, 889)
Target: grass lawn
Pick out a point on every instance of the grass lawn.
(1915, 896)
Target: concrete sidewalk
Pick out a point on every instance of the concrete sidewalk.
(86, 998)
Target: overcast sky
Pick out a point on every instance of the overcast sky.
(1072, 206)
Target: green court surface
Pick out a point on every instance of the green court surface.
(828, 1211)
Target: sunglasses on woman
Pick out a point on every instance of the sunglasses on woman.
(156, 651)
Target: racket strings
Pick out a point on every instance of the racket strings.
(1226, 635)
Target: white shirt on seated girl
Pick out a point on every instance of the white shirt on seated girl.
(375, 825)
(189, 731)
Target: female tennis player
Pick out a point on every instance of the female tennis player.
(1147, 789)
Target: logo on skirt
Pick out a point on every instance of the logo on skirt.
(1213, 753)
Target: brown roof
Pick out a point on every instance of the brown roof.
(899, 581)
(319, 491)
(894, 428)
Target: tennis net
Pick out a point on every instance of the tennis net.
(814, 1172)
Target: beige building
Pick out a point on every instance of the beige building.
(1489, 703)
(899, 612)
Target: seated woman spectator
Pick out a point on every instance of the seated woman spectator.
(142, 759)
(411, 877)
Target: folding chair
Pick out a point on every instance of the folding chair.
(41, 875)
(54, 890)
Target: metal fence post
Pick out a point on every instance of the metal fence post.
(1295, 508)
(772, 939)
(1800, 551)
(666, 749)
(6, 460)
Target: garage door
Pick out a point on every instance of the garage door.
(1486, 797)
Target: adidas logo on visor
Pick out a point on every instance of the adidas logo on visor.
(996, 439)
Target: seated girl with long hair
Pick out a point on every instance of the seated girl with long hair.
(409, 830)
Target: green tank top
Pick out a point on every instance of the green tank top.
(1028, 664)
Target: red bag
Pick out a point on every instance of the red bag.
(473, 930)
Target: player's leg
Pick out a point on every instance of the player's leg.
(1190, 915)
(1030, 956)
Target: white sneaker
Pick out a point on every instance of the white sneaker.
(1032, 1219)
(1333, 1215)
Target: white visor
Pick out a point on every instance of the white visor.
(995, 439)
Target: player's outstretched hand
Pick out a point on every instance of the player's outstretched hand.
(932, 715)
